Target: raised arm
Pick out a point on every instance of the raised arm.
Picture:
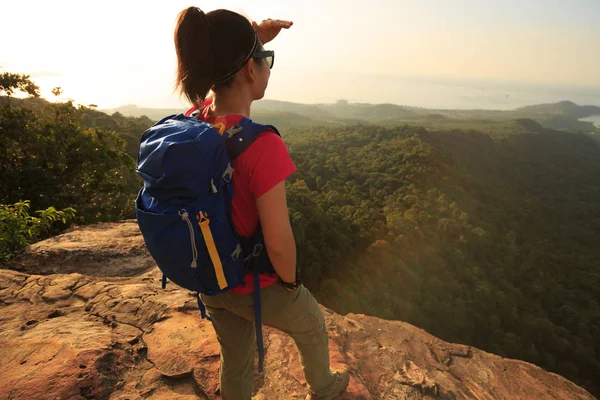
(268, 29)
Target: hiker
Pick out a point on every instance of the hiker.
(223, 52)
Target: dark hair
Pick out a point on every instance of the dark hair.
(209, 47)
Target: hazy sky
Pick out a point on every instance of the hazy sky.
(121, 52)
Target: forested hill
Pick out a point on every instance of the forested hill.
(479, 240)
(128, 127)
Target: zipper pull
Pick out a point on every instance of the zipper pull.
(203, 218)
(186, 217)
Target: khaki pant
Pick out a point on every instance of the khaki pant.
(296, 313)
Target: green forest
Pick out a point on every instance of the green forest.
(479, 229)
(488, 241)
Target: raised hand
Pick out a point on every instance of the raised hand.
(270, 28)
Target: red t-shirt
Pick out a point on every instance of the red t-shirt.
(264, 164)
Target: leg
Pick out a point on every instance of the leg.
(298, 314)
(237, 339)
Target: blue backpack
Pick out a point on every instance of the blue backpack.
(184, 208)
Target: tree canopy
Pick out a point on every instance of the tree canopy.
(489, 241)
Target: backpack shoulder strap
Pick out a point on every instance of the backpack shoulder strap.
(242, 135)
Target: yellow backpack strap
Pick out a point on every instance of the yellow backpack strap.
(212, 249)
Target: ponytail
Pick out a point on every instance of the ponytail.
(211, 48)
(195, 55)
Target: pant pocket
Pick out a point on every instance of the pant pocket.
(294, 311)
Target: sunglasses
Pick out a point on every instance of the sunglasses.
(269, 55)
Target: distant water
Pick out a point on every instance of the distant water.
(427, 92)
(483, 95)
(595, 119)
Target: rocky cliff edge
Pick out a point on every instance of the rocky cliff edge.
(83, 316)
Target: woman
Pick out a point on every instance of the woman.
(222, 51)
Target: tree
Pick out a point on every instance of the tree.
(51, 158)
(9, 83)
(57, 91)
(18, 228)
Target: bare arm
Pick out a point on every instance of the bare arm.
(277, 231)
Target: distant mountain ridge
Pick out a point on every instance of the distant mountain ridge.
(564, 115)
(341, 106)
(562, 107)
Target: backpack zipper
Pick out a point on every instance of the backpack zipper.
(186, 217)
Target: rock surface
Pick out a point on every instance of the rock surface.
(110, 332)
